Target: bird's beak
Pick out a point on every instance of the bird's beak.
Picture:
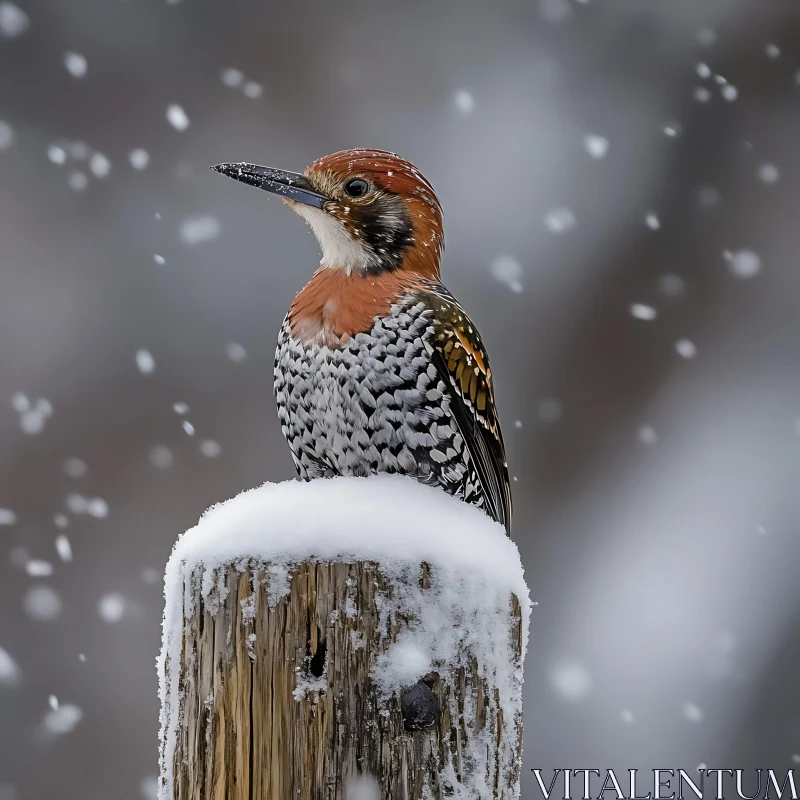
(291, 185)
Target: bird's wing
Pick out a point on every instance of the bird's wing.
(460, 358)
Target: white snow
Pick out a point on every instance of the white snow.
(647, 435)
(200, 228)
(77, 180)
(730, 92)
(671, 285)
(210, 449)
(76, 64)
(232, 77)
(570, 679)
(652, 221)
(7, 516)
(642, 312)
(10, 674)
(188, 427)
(139, 158)
(464, 101)
(61, 720)
(236, 352)
(99, 165)
(161, 456)
(6, 135)
(703, 70)
(111, 607)
(462, 615)
(38, 568)
(507, 269)
(42, 604)
(64, 548)
(252, 89)
(32, 416)
(75, 468)
(768, 173)
(692, 713)
(596, 146)
(159, 259)
(743, 263)
(13, 20)
(560, 220)
(772, 50)
(177, 117)
(685, 348)
(145, 362)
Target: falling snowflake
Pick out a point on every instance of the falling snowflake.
(10, 673)
(647, 435)
(139, 158)
(692, 712)
(232, 77)
(743, 263)
(252, 89)
(730, 92)
(37, 568)
(772, 50)
(75, 468)
(596, 146)
(768, 173)
(627, 716)
(642, 312)
(672, 130)
(560, 220)
(703, 70)
(235, 352)
(198, 229)
(177, 117)
(652, 221)
(56, 154)
(161, 456)
(13, 20)
(6, 135)
(570, 679)
(97, 507)
(77, 180)
(145, 362)
(7, 517)
(160, 260)
(702, 95)
(64, 548)
(210, 449)
(111, 607)
(99, 165)
(685, 348)
(188, 427)
(76, 64)
(549, 410)
(464, 101)
(41, 603)
(63, 719)
(507, 270)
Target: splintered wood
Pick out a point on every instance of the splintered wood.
(277, 699)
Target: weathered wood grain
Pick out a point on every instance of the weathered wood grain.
(249, 730)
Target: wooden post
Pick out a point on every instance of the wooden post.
(279, 682)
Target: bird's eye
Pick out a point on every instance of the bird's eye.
(356, 187)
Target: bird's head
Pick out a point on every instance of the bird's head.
(370, 210)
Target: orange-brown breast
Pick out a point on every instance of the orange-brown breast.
(333, 306)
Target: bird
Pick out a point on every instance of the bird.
(378, 368)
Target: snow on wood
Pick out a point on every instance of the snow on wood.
(306, 624)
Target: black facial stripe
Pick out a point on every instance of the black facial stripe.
(385, 227)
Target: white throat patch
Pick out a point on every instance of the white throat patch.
(339, 249)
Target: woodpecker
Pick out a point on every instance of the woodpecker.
(378, 368)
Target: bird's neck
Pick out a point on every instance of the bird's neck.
(335, 305)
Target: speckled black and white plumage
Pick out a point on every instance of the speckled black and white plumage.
(378, 403)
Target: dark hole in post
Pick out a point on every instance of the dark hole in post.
(316, 664)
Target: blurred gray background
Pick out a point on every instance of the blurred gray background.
(620, 183)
